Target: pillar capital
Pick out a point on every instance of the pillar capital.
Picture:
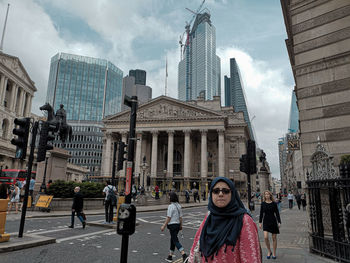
(124, 133)
(220, 131)
(187, 131)
(203, 131)
(170, 132)
(155, 132)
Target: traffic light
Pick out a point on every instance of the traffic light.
(244, 164)
(251, 156)
(22, 133)
(121, 154)
(47, 134)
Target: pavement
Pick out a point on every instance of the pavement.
(293, 242)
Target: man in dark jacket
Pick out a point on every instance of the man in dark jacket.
(77, 207)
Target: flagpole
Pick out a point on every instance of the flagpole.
(3, 31)
(166, 76)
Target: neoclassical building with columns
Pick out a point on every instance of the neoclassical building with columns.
(16, 95)
(179, 143)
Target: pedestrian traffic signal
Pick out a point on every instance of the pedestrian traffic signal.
(121, 153)
(244, 164)
(251, 152)
(22, 133)
(47, 134)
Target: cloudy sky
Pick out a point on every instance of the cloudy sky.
(142, 33)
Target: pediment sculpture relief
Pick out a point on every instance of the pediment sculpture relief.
(166, 110)
(13, 64)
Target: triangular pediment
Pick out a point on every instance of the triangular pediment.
(165, 108)
(14, 65)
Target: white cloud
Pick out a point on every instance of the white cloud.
(268, 98)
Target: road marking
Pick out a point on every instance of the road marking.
(50, 231)
(142, 220)
(85, 235)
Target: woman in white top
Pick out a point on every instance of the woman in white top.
(174, 223)
(14, 198)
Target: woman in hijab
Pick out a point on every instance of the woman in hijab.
(227, 233)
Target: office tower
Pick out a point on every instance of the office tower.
(293, 115)
(199, 70)
(90, 89)
(234, 93)
(131, 88)
(139, 75)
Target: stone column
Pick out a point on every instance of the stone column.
(2, 89)
(204, 154)
(221, 151)
(107, 167)
(29, 105)
(187, 153)
(22, 102)
(154, 156)
(170, 165)
(138, 157)
(14, 90)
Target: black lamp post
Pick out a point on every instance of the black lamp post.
(43, 185)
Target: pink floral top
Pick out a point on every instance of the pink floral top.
(247, 249)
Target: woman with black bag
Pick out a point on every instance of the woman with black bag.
(174, 223)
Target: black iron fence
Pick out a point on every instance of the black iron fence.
(329, 217)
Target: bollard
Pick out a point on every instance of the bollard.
(3, 208)
(121, 200)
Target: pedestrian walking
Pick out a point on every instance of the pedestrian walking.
(298, 199)
(31, 187)
(187, 196)
(110, 201)
(290, 198)
(303, 200)
(173, 222)
(279, 201)
(195, 194)
(14, 197)
(270, 222)
(156, 189)
(77, 207)
(227, 233)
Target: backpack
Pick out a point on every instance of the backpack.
(111, 196)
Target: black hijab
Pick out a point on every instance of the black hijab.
(223, 225)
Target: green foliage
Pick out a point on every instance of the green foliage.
(62, 189)
(345, 159)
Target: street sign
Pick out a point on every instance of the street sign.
(44, 201)
(128, 178)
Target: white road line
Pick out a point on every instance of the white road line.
(49, 231)
(85, 235)
(142, 220)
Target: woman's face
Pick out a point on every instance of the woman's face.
(267, 196)
(221, 194)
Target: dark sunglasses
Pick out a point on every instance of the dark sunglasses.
(225, 191)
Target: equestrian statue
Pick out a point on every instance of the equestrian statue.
(60, 120)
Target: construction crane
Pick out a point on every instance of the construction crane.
(187, 30)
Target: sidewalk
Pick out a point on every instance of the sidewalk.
(32, 240)
(293, 241)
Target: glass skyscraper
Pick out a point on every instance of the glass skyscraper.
(200, 68)
(234, 93)
(89, 88)
(293, 125)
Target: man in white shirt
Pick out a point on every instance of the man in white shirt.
(110, 201)
(290, 199)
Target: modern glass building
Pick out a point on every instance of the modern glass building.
(199, 70)
(293, 125)
(139, 75)
(90, 89)
(234, 93)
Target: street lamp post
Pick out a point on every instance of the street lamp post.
(43, 185)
